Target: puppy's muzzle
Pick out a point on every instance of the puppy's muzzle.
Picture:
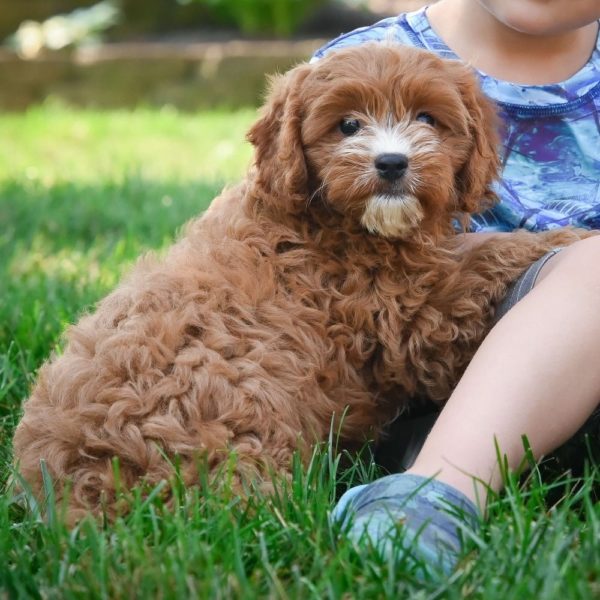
(391, 166)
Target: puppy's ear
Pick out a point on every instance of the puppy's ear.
(281, 176)
(474, 180)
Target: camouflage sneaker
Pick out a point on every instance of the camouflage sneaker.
(408, 513)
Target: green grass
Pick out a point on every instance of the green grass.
(82, 194)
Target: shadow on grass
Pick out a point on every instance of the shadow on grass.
(64, 246)
(72, 215)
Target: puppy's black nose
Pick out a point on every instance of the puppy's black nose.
(391, 166)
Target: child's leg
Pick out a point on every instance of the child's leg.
(536, 374)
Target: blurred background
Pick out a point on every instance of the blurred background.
(186, 53)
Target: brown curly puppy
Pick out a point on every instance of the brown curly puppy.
(329, 283)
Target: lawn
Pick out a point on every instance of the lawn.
(82, 194)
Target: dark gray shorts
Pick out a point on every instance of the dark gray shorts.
(523, 285)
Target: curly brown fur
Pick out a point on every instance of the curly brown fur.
(284, 306)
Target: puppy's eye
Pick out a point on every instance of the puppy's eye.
(349, 126)
(426, 118)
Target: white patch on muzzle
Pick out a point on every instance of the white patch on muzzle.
(392, 216)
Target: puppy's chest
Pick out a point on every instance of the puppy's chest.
(361, 307)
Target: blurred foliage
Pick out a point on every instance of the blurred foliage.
(279, 17)
(83, 26)
(56, 24)
(138, 17)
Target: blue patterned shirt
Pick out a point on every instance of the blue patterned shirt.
(550, 135)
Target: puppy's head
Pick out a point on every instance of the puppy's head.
(391, 136)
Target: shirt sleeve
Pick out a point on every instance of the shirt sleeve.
(386, 29)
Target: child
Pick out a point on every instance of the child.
(536, 374)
